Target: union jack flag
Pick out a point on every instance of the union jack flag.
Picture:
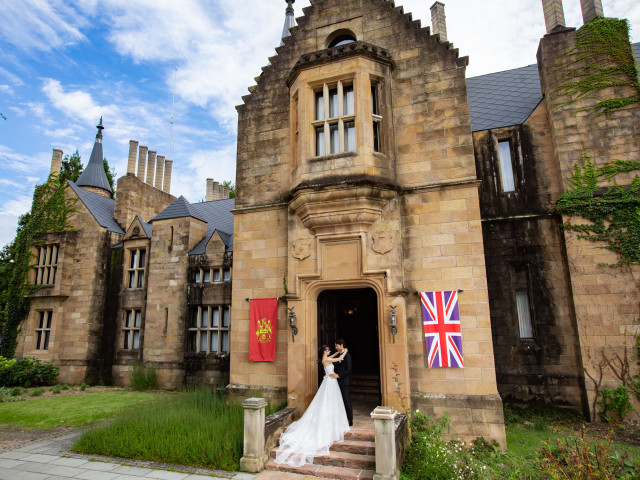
(442, 328)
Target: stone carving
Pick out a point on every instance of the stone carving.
(382, 242)
(136, 231)
(302, 249)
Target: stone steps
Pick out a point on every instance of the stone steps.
(352, 459)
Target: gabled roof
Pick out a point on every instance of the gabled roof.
(507, 98)
(220, 219)
(100, 207)
(504, 98)
(93, 175)
(178, 209)
(146, 227)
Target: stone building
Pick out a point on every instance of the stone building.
(369, 169)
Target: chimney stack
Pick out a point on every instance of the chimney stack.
(56, 161)
(142, 161)
(438, 21)
(591, 9)
(131, 164)
(216, 191)
(167, 176)
(151, 165)
(553, 14)
(159, 171)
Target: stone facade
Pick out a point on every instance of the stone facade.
(345, 218)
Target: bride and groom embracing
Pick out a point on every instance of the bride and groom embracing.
(327, 418)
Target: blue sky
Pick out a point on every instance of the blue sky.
(63, 64)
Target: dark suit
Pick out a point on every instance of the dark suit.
(343, 370)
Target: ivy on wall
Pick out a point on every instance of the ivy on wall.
(50, 212)
(602, 58)
(613, 211)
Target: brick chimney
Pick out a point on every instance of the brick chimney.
(131, 164)
(56, 161)
(591, 9)
(167, 176)
(151, 165)
(553, 14)
(159, 171)
(438, 20)
(142, 161)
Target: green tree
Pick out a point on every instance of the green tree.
(111, 175)
(71, 167)
(231, 187)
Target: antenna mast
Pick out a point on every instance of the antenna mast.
(173, 102)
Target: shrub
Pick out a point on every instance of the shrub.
(143, 377)
(615, 401)
(579, 458)
(15, 391)
(36, 392)
(56, 389)
(26, 372)
(430, 457)
(83, 387)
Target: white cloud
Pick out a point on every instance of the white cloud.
(39, 24)
(10, 160)
(8, 225)
(6, 89)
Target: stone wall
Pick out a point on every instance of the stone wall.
(138, 198)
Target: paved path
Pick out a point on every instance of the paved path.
(50, 459)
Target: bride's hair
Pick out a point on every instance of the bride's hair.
(322, 349)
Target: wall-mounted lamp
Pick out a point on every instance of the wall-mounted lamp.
(393, 321)
(292, 324)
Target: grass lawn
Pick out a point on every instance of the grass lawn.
(70, 411)
(195, 427)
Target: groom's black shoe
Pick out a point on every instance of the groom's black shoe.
(351, 424)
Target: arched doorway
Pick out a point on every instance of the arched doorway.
(353, 315)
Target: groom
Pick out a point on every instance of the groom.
(343, 374)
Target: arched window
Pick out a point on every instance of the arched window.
(341, 40)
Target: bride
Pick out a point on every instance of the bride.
(324, 422)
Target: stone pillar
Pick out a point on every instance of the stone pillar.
(142, 161)
(254, 455)
(384, 425)
(56, 161)
(167, 176)
(159, 171)
(151, 166)
(591, 9)
(439, 21)
(553, 14)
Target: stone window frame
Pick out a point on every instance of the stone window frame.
(512, 152)
(135, 275)
(130, 328)
(524, 315)
(326, 124)
(209, 275)
(198, 327)
(376, 114)
(43, 330)
(47, 265)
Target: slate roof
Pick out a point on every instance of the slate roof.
(146, 227)
(93, 174)
(504, 98)
(220, 218)
(507, 98)
(100, 207)
(178, 209)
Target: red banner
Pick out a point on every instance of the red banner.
(262, 332)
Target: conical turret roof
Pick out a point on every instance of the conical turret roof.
(93, 174)
(289, 20)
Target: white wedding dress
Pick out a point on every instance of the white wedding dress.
(324, 422)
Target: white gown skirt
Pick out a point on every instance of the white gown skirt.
(324, 422)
